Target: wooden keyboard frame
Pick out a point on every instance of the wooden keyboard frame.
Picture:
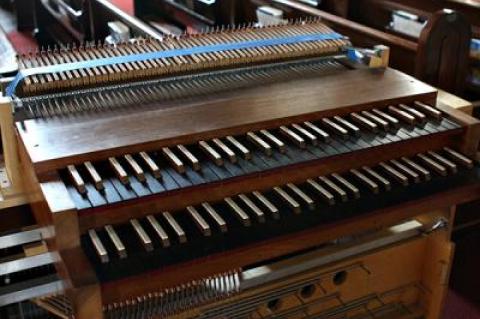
(52, 205)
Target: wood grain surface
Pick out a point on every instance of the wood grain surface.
(56, 143)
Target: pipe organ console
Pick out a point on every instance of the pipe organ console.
(241, 173)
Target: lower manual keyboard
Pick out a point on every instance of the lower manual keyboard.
(206, 229)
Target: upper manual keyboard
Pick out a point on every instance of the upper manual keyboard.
(181, 166)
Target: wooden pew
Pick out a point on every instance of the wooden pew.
(194, 16)
(445, 38)
(67, 23)
(377, 14)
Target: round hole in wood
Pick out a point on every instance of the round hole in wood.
(307, 291)
(274, 304)
(340, 277)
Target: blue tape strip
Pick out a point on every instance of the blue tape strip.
(10, 91)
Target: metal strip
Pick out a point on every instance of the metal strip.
(26, 263)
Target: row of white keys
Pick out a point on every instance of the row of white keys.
(219, 150)
(92, 175)
(199, 221)
(77, 180)
(441, 164)
(416, 114)
(419, 116)
(428, 110)
(115, 239)
(375, 118)
(189, 157)
(458, 157)
(327, 188)
(297, 134)
(215, 150)
(255, 205)
(150, 163)
(134, 166)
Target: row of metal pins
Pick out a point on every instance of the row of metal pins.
(36, 84)
(175, 300)
(116, 97)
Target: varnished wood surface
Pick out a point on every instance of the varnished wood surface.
(168, 277)
(446, 99)
(59, 142)
(176, 200)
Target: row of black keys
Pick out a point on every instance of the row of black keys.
(246, 209)
(182, 166)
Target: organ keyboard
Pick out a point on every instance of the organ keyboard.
(169, 166)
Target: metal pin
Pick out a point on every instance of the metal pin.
(227, 150)
(189, 157)
(399, 177)
(417, 167)
(404, 116)
(77, 179)
(321, 133)
(97, 180)
(429, 110)
(294, 205)
(305, 198)
(174, 160)
(98, 245)
(201, 223)
(182, 238)
(353, 128)
(255, 139)
(272, 138)
(406, 170)
(352, 188)
(216, 217)
(142, 235)
(267, 204)
(253, 207)
(243, 150)
(441, 170)
(214, 156)
(459, 158)
(312, 138)
(334, 187)
(366, 123)
(239, 213)
(119, 171)
(152, 166)
(365, 180)
(162, 234)
(337, 129)
(112, 234)
(379, 178)
(138, 171)
(325, 194)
